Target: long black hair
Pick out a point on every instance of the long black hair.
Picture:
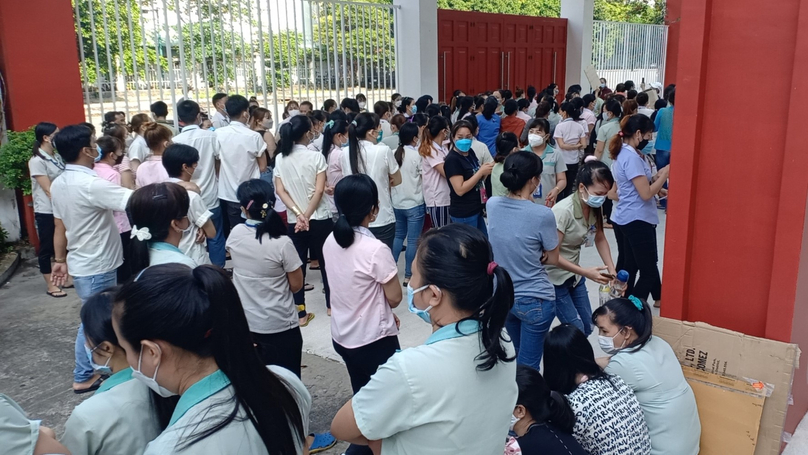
(567, 353)
(257, 197)
(506, 142)
(543, 404)
(199, 311)
(41, 130)
(355, 196)
(292, 131)
(624, 313)
(357, 131)
(490, 107)
(407, 134)
(456, 259)
(402, 108)
(154, 207)
(331, 128)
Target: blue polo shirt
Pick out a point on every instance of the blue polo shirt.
(663, 125)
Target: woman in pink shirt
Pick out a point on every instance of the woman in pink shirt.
(365, 285)
(335, 139)
(157, 137)
(433, 152)
(112, 153)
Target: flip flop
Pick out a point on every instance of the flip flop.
(311, 267)
(322, 442)
(309, 317)
(92, 388)
(308, 287)
(56, 295)
(69, 287)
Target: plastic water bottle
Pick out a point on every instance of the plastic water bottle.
(619, 284)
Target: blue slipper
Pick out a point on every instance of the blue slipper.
(322, 442)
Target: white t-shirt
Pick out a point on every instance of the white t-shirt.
(645, 111)
(410, 193)
(298, 172)
(85, 202)
(198, 215)
(386, 130)
(49, 167)
(259, 273)
(206, 143)
(219, 120)
(380, 164)
(240, 149)
(138, 150)
(317, 144)
(571, 132)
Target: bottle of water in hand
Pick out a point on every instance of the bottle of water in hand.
(615, 289)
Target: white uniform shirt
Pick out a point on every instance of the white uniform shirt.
(49, 167)
(432, 400)
(380, 164)
(198, 215)
(85, 202)
(138, 150)
(571, 132)
(196, 412)
(219, 120)
(166, 253)
(410, 192)
(386, 129)
(206, 143)
(118, 418)
(240, 149)
(298, 172)
(481, 151)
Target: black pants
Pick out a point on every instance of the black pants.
(231, 215)
(125, 270)
(572, 174)
(45, 228)
(284, 349)
(637, 252)
(608, 205)
(362, 363)
(311, 240)
(386, 234)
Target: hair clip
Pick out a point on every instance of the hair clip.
(353, 122)
(637, 302)
(249, 204)
(620, 134)
(329, 124)
(158, 197)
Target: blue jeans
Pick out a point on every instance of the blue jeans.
(572, 305)
(409, 224)
(663, 158)
(476, 221)
(86, 286)
(528, 324)
(216, 244)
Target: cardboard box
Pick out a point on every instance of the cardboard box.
(735, 355)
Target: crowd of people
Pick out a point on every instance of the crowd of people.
(491, 197)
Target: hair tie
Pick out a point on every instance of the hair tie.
(141, 234)
(329, 124)
(207, 334)
(620, 134)
(637, 302)
(491, 266)
(264, 210)
(249, 204)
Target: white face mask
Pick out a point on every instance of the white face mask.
(152, 381)
(535, 140)
(294, 112)
(397, 103)
(607, 344)
(267, 124)
(361, 105)
(514, 420)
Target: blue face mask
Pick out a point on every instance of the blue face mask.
(423, 314)
(464, 145)
(594, 201)
(379, 136)
(100, 154)
(414, 109)
(103, 369)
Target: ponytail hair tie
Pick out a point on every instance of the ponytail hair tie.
(248, 205)
(637, 302)
(620, 134)
(329, 124)
(491, 266)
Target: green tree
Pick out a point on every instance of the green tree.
(638, 11)
(209, 51)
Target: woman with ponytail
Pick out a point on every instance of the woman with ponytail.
(456, 393)
(517, 217)
(648, 365)
(44, 166)
(112, 155)
(158, 138)
(185, 333)
(300, 179)
(433, 151)
(366, 155)
(159, 215)
(489, 124)
(408, 198)
(335, 139)
(635, 214)
(266, 272)
(542, 419)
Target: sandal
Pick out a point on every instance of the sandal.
(56, 294)
(95, 385)
(309, 318)
(69, 286)
(308, 287)
(322, 442)
(406, 282)
(314, 267)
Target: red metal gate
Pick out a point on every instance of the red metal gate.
(482, 51)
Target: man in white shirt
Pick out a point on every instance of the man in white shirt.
(220, 118)
(206, 172)
(382, 109)
(642, 101)
(242, 156)
(86, 237)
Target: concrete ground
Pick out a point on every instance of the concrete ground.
(37, 335)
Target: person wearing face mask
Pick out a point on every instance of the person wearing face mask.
(435, 184)
(158, 137)
(635, 214)
(542, 420)
(185, 333)
(112, 155)
(455, 393)
(366, 155)
(517, 217)
(489, 124)
(291, 109)
(97, 425)
(335, 141)
(554, 170)
(580, 225)
(648, 365)
(84, 224)
(391, 140)
(220, 117)
(364, 329)
(362, 100)
(318, 119)
(408, 198)
(466, 179)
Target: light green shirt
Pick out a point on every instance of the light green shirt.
(17, 433)
(497, 188)
(570, 221)
(200, 408)
(432, 399)
(552, 164)
(605, 134)
(119, 418)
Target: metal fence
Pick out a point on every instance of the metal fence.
(624, 51)
(135, 52)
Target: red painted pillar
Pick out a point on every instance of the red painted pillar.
(736, 251)
(672, 18)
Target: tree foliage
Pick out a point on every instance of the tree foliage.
(638, 11)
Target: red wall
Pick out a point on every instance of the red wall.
(39, 61)
(734, 253)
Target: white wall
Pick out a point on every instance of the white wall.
(579, 15)
(9, 215)
(417, 46)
